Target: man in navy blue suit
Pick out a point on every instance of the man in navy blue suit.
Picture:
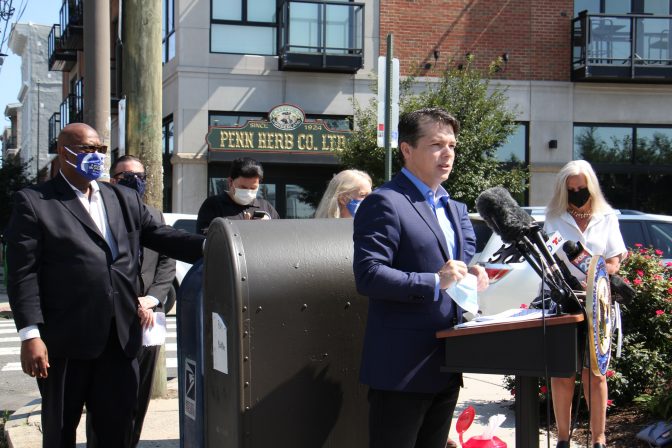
(411, 243)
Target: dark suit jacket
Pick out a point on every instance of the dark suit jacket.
(399, 246)
(61, 273)
(157, 270)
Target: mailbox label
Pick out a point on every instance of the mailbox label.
(190, 388)
(220, 355)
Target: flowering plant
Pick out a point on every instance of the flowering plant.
(643, 371)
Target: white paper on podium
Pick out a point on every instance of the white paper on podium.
(512, 315)
(155, 335)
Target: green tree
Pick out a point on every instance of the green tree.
(485, 125)
(13, 177)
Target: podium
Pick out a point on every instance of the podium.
(527, 349)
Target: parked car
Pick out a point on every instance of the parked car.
(516, 284)
(182, 222)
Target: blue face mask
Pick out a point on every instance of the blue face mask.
(131, 180)
(89, 164)
(353, 205)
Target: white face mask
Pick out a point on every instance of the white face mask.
(245, 197)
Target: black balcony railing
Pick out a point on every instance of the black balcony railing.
(325, 36)
(54, 130)
(72, 108)
(60, 59)
(632, 47)
(72, 24)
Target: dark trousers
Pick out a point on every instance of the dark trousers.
(412, 420)
(108, 385)
(146, 362)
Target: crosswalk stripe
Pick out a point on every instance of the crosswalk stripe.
(7, 323)
(171, 363)
(171, 346)
(4, 351)
(11, 367)
(10, 339)
(8, 330)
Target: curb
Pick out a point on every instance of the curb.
(24, 427)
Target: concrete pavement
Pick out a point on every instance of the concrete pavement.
(161, 428)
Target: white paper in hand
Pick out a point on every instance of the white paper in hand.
(155, 335)
(465, 294)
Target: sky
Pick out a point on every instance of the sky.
(43, 12)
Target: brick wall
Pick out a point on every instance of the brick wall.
(535, 34)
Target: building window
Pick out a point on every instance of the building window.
(243, 27)
(657, 7)
(168, 30)
(633, 163)
(168, 145)
(514, 153)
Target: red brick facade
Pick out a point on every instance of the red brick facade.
(534, 33)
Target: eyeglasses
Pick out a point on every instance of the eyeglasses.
(88, 148)
(129, 175)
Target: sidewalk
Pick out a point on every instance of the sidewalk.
(161, 428)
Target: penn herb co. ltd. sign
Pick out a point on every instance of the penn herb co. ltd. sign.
(285, 130)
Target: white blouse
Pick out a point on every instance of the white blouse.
(601, 237)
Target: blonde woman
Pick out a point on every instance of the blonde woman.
(345, 192)
(579, 211)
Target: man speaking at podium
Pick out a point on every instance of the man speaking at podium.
(411, 242)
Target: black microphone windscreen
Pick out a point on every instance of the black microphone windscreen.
(571, 249)
(621, 292)
(503, 214)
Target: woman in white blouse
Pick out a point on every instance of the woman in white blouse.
(579, 211)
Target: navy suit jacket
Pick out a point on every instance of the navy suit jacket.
(399, 246)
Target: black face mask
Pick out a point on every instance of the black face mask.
(578, 198)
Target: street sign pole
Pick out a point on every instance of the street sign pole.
(388, 108)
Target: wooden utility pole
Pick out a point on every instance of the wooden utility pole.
(142, 86)
(97, 92)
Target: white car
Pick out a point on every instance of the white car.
(185, 222)
(516, 284)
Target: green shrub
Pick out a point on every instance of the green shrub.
(643, 371)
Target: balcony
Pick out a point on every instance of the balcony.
(60, 59)
(72, 24)
(621, 48)
(71, 110)
(321, 36)
(54, 130)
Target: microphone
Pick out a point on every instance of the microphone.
(503, 214)
(621, 292)
(506, 218)
(578, 255)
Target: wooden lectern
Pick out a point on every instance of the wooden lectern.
(527, 349)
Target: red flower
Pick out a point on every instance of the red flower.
(669, 263)
(638, 245)
(657, 277)
(523, 306)
(543, 389)
(660, 312)
(628, 282)
(647, 257)
(659, 252)
(610, 373)
(640, 273)
(637, 281)
(669, 291)
(610, 403)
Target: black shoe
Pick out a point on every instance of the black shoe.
(562, 444)
(599, 445)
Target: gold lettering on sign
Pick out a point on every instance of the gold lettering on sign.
(222, 139)
(261, 140)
